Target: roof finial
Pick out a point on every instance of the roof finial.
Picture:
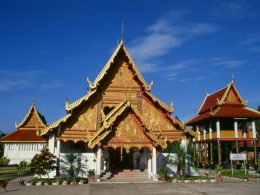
(206, 91)
(122, 33)
(33, 101)
(232, 78)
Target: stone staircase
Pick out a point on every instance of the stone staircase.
(126, 175)
(105, 175)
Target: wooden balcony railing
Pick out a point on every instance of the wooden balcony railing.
(226, 134)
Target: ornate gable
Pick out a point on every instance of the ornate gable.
(232, 96)
(117, 90)
(128, 132)
(33, 119)
(154, 118)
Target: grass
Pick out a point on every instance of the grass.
(238, 173)
(10, 173)
(187, 177)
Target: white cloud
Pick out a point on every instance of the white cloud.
(154, 45)
(237, 10)
(230, 63)
(11, 80)
(254, 49)
(163, 36)
(51, 85)
(251, 39)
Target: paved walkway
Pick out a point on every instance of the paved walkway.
(237, 188)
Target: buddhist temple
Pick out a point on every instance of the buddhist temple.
(118, 123)
(24, 143)
(224, 124)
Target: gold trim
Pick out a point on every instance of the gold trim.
(79, 101)
(54, 125)
(27, 116)
(113, 116)
(111, 60)
(161, 103)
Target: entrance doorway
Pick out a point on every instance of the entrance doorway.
(120, 159)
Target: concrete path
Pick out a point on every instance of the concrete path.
(237, 188)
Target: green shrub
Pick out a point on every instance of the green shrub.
(4, 161)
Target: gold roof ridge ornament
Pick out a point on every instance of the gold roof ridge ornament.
(90, 84)
(66, 103)
(150, 86)
(171, 105)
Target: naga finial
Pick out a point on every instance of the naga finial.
(171, 104)
(218, 101)
(150, 85)
(66, 102)
(90, 84)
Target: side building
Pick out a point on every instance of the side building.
(24, 143)
(225, 124)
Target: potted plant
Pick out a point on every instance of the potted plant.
(162, 172)
(218, 171)
(91, 175)
(249, 178)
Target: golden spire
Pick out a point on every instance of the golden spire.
(122, 33)
(33, 101)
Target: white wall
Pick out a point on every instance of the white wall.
(18, 152)
(88, 161)
(172, 168)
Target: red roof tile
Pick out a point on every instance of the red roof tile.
(211, 100)
(226, 111)
(23, 136)
(237, 111)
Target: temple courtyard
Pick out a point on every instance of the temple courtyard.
(227, 187)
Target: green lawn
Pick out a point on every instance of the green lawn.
(237, 173)
(10, 173)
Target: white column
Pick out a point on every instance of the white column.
(236, 129)
(218, 129)
(210, 132)
(198, 135)
(204, 134)
(149, 165)
(98, 161)
(154, 163)
(51, 143)
(184, 144)
(253, 129)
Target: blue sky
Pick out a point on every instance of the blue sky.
(188, 48)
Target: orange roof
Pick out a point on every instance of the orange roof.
(211, 100)
(226, 111)
(228, 95)
(226, 102)
(23, 136)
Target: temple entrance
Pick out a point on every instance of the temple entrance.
(120, 159)
(135, 158)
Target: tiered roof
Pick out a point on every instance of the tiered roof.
(27, 129)
(226, 102)
(159, 136)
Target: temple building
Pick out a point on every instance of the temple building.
(24, 143)
(224, 124)
(118, 124)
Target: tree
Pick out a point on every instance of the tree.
(43, 163)
(1, 144)
(72, 165)
(258, 122)
(21, 169)
(180, 159)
